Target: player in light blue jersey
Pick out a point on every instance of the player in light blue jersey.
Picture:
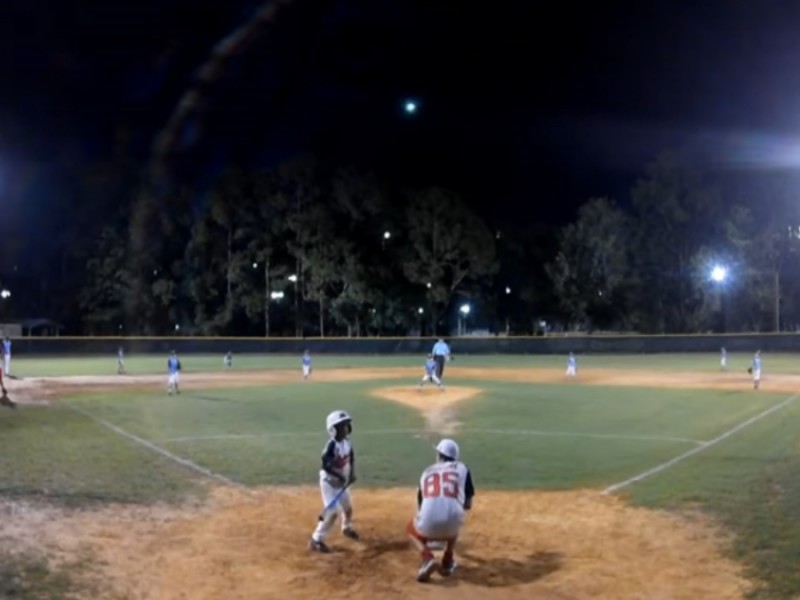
(723, 359)
(306, 362)
(755, 369)
(572, 365)
(174, 372)
(430, 373)
(7, 357)
(228, 360)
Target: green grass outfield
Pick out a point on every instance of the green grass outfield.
(147, 364)
(127, 446)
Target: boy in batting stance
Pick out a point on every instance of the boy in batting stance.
(430, 373)
(338, 472)
(445, 493)
(174, 374)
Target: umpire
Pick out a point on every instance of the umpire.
(441, 352)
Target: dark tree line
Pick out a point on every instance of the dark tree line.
(305, 249)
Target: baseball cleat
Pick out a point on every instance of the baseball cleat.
(316, 546)
(427, 569)
(447, 567)
(349, 532)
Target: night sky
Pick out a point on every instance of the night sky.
(526, 112)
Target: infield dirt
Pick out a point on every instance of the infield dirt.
(515, 545)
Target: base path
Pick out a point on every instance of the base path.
(53, 387)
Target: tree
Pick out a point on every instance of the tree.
(359, 206)
(263, 234)
(102, 298)
(590, 272)
(676, 214)
(216, 256)
(449, 245)
(767, 252)
(298, 181)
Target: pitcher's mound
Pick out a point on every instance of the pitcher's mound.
(428, 397)
(437, 405)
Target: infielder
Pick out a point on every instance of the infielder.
(572, 365)
(430, 374)
(174, 372)
(441, 353)
(338, 470)
(445, 492)
(120, 361)
(755, 369)
(7, 357)
(723, 359)
(228, 360)
(306, 362)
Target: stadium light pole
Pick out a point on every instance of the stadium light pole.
(719, 275)
(508, 319)
(464, 310)
(293, 279)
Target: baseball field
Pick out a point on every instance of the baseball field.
(644, 477)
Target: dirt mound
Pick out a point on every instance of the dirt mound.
(565, 545)
(438, 405)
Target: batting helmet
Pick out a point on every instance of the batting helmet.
(336, 417)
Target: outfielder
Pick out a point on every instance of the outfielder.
(306, 362)
(723, 359)
(338, 471)
(174, 371)
(228, 360)
(572, 365)
(7, 357)
(430, 374)
(441, 353)
(120, 361)
(445, 492)
(755, 369)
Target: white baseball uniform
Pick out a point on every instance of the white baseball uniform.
(338, 456)
(444, 487)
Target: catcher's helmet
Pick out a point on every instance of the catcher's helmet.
(336, 417)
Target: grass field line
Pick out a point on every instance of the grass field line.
(599, 436)
(165, 453)
(371, 432)
(704, 446)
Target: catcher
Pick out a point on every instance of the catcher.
(445, 492)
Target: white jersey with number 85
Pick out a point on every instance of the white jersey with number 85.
(443, 489)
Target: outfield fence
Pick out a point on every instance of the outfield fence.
(622, 344)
